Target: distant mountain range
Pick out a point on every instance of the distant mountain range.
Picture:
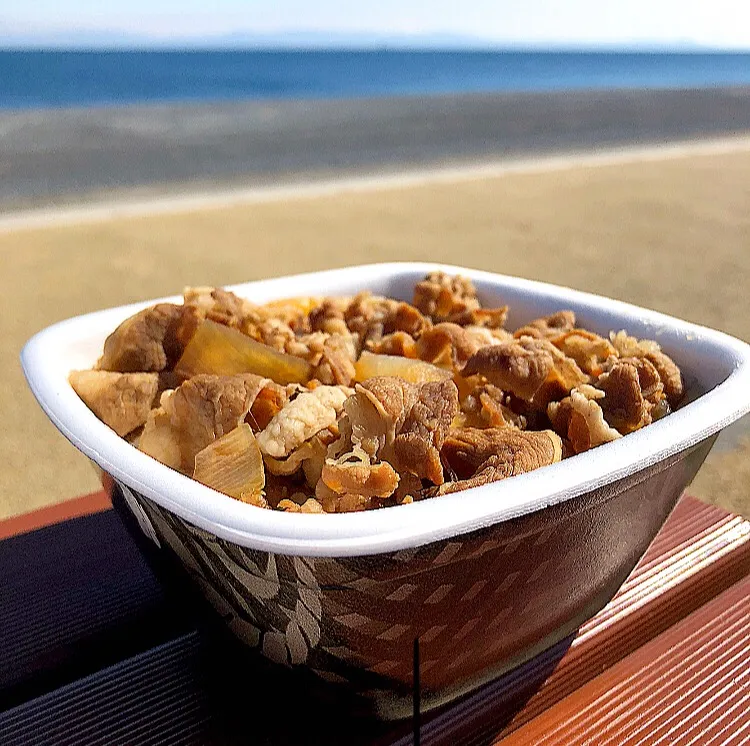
(114, 39)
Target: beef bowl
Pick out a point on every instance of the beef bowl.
(485, 578)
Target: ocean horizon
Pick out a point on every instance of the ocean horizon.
(39, 79)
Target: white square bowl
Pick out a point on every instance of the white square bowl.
(525, 560)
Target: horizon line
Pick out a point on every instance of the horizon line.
(208, 46)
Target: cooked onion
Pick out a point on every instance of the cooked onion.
(370, 365)
(221, 350)
(289, 307)
(232, 464)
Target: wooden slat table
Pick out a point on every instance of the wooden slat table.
(94, 650)
(688, 685)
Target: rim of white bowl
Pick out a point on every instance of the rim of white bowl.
(45, 356)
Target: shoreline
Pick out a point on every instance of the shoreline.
(60, 156)
(171, 202)
(187, 105)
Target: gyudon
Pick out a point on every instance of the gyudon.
(325, 405)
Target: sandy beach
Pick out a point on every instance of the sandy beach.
(669, 233)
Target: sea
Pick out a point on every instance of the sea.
(55, 79)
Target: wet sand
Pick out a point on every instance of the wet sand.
(63, 156)
(672, 235)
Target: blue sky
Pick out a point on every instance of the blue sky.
(718, 23)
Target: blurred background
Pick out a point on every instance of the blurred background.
(145, 146)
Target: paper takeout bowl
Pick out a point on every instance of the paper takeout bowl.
(485, 578)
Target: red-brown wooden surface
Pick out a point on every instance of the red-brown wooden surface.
(702, 552)
(665, 662)
(689, 685)
(75, 508)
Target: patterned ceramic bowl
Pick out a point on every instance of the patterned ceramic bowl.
(485, 578)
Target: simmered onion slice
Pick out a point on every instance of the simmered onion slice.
(232, 464)
(221, 350)
(370, 365)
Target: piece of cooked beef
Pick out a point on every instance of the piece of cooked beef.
(300, 419)
(480, 456)
(150, 341)
(120, 400)
(548, 327)
(580, 419)
(201, 410)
